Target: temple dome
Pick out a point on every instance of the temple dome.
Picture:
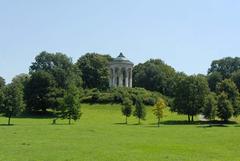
(121, 59)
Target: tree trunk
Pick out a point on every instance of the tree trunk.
(139, 121)
(192, 118)
(188, 118)
(9, 120)
(126, 122)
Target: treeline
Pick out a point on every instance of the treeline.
(55, 83)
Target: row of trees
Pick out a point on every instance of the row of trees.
(53, 75)
(140, 110)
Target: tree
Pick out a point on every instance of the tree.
(159, 109)
(190, 95)
(213, 79)
(39, 90)
(71, 104)
(2, 82)
(210, 107)
(225, 66)
(236, 78)
(13, 101)
(230, 89)
(94, 68)
(154, 75)
(140, 111)
(59, 66)
(127, 108)
(225, 109)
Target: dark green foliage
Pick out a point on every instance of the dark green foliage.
(236, 79)
(71, 105)
(210, 107)
(39, 90)
(213, 79)
(225, 109)
(127, 108)
(13, 102)
(154, 75)
(230, 89)
(2, 82)
(117, 95)
(190, 95)
(140, 110)
(59, 66)
(225, 66)
(94, 68)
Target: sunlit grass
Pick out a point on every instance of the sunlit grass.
(101, 135)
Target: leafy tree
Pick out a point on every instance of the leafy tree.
(210, 107)
(71, 104)
(230, 89)
(190, 95)
(13, 101)
(2, 82)
(59, 66)
(213, 79)
(140, 111)
(154, 75)
(225, 109)
(127, 108)
(94, 68)
(225, 66)
(236, 79)
(39, 90)
(159, 109)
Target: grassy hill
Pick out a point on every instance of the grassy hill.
(101, 136)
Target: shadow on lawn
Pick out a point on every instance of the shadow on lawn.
(6, 125)
(212, 123)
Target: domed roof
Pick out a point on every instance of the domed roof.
(121, 59)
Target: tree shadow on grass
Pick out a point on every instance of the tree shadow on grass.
(37, 115)
(6, 125)
(215, 123)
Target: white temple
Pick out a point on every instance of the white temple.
(120, 72)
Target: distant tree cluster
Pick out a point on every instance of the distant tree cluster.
(56, 84)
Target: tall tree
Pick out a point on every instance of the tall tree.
(225, 109)
(2, 82)
(225, 66)
(140, 111)
(190, 95)
(38, 91)
(13, 101)
(230, 89)
(210, 106)
(127, 108)
(236, 78)
(159, 109)
(213, 79)
(154, 75)
(94, 68)
(71, 104)
(59, 66)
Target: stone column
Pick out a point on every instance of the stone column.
(110, 77)
(126, 77)
(120, 78)
(114, 77)
(130, 78)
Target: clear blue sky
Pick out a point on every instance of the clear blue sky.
(186, 34)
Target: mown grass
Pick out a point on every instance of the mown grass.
(100, 135)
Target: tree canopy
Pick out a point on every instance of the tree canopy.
(94, 68)
(154, 75)
(190, 95)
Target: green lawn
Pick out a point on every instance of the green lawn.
(101, 136)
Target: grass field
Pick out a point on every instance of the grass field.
(101, 136)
